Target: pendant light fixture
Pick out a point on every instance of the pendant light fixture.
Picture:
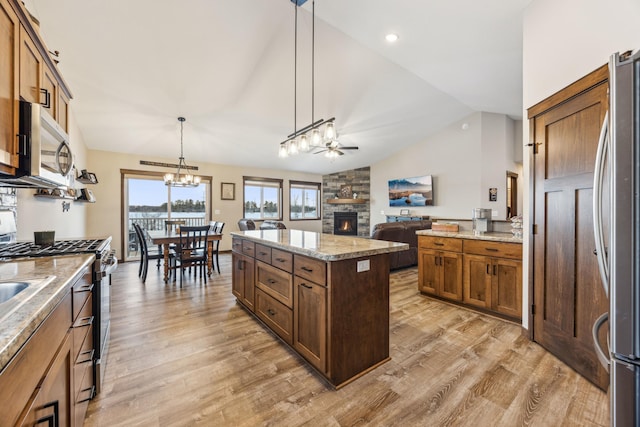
(185, 179)
(310, 136)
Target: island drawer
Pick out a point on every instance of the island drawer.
(276, 315)
(493, 249)
(248, 248)
(263, 253)
(275, 282)
(282, 260)
(236, 245)
(81, 327)
(310, 268)
(440, 243)
(81, 290)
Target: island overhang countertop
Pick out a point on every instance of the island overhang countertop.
(326, 247)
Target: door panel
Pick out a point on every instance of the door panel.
(566, 288)
(451, 275)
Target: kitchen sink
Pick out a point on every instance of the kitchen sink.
(9, 290)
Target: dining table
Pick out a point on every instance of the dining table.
(166, 238)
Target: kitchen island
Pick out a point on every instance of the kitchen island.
(325, 296)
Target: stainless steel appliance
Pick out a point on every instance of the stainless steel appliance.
(45, 158)
(105, 264)
(481, 220)
(618, 238)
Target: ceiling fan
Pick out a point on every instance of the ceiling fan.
(334, 148)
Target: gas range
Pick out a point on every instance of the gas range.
(60, 247)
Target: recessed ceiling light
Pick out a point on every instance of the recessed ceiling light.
(391, 37)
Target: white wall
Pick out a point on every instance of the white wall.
(464, 163)
(40, 214)
(564, 40)
(105, 215)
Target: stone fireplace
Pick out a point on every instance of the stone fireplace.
(359, 180)
(345, 223)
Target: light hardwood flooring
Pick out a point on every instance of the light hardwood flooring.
(192, 356)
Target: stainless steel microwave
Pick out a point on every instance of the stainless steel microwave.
(45, 157)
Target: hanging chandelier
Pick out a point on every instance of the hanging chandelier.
(185, 179)
(320, 133)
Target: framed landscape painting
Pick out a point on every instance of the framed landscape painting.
(408, 192)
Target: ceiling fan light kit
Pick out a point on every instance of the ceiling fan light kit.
(310, 136)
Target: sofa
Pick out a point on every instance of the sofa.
(403, 232)
(246, 224)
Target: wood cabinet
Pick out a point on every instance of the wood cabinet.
(9, 90)
(335, 314)
(26, 71)
(440, 267)
(243, 275)
(45, 381)
(479, 273)
(310, 322)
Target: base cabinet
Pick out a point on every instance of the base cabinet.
(310, 322)
(489, 273)
(243, 279)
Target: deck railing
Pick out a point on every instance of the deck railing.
(152, 224)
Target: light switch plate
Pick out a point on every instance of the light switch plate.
(217, 211)
(364, 265)
(494, 213)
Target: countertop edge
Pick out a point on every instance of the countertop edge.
(393, 247)
(492, 236)
(27, 318)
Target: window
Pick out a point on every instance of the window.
(148, 202)
(304, 200)
(262, 198)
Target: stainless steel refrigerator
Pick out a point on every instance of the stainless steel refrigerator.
(617, 233)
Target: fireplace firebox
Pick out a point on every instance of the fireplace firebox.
(345, 223)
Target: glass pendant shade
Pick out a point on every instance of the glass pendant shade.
(329, 132)
(282, 151)
(303, 144)
(316, 137)
(293, 147)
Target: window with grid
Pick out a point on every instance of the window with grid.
(304, 200)
(262, 198)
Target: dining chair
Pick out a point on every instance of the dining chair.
(145, 254)
(217, 228)
(191, 250)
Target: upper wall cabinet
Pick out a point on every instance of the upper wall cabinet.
(27, 71)
(9, 46)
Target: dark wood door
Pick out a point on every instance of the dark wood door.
(567, 293)
(310, 322)
(430, 272)
(506, 287)
(451, 279)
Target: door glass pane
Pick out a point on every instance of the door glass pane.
(147, 206)
(189, 204)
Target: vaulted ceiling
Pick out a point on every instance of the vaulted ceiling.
(228, 67)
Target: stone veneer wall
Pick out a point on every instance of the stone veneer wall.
(360, 182)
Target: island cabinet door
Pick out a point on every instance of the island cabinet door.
(243, 279)
(506, 287)
(451, 281)
(310, 322)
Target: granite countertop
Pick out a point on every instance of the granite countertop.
(493, 236)
(326, 247)
(49, 281)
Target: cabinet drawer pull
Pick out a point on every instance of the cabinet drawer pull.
(47, 98)
(280, 259)
(85, 288)
(271, 312)
(495, 270)
(262, 253)
(488, 272)
(83, 321)
(307, 269)
(438, 244)
(491, 249)
(88, 359)
(92, 392)
(240, 265)
(306, 286)
(271, 281)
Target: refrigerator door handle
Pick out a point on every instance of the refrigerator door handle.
(602, 356)
(598, 175)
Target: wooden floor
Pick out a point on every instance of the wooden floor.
(192, 356)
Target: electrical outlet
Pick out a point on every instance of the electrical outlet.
(217, 212)
(363, 265)
(494, 213)
(381, 212)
